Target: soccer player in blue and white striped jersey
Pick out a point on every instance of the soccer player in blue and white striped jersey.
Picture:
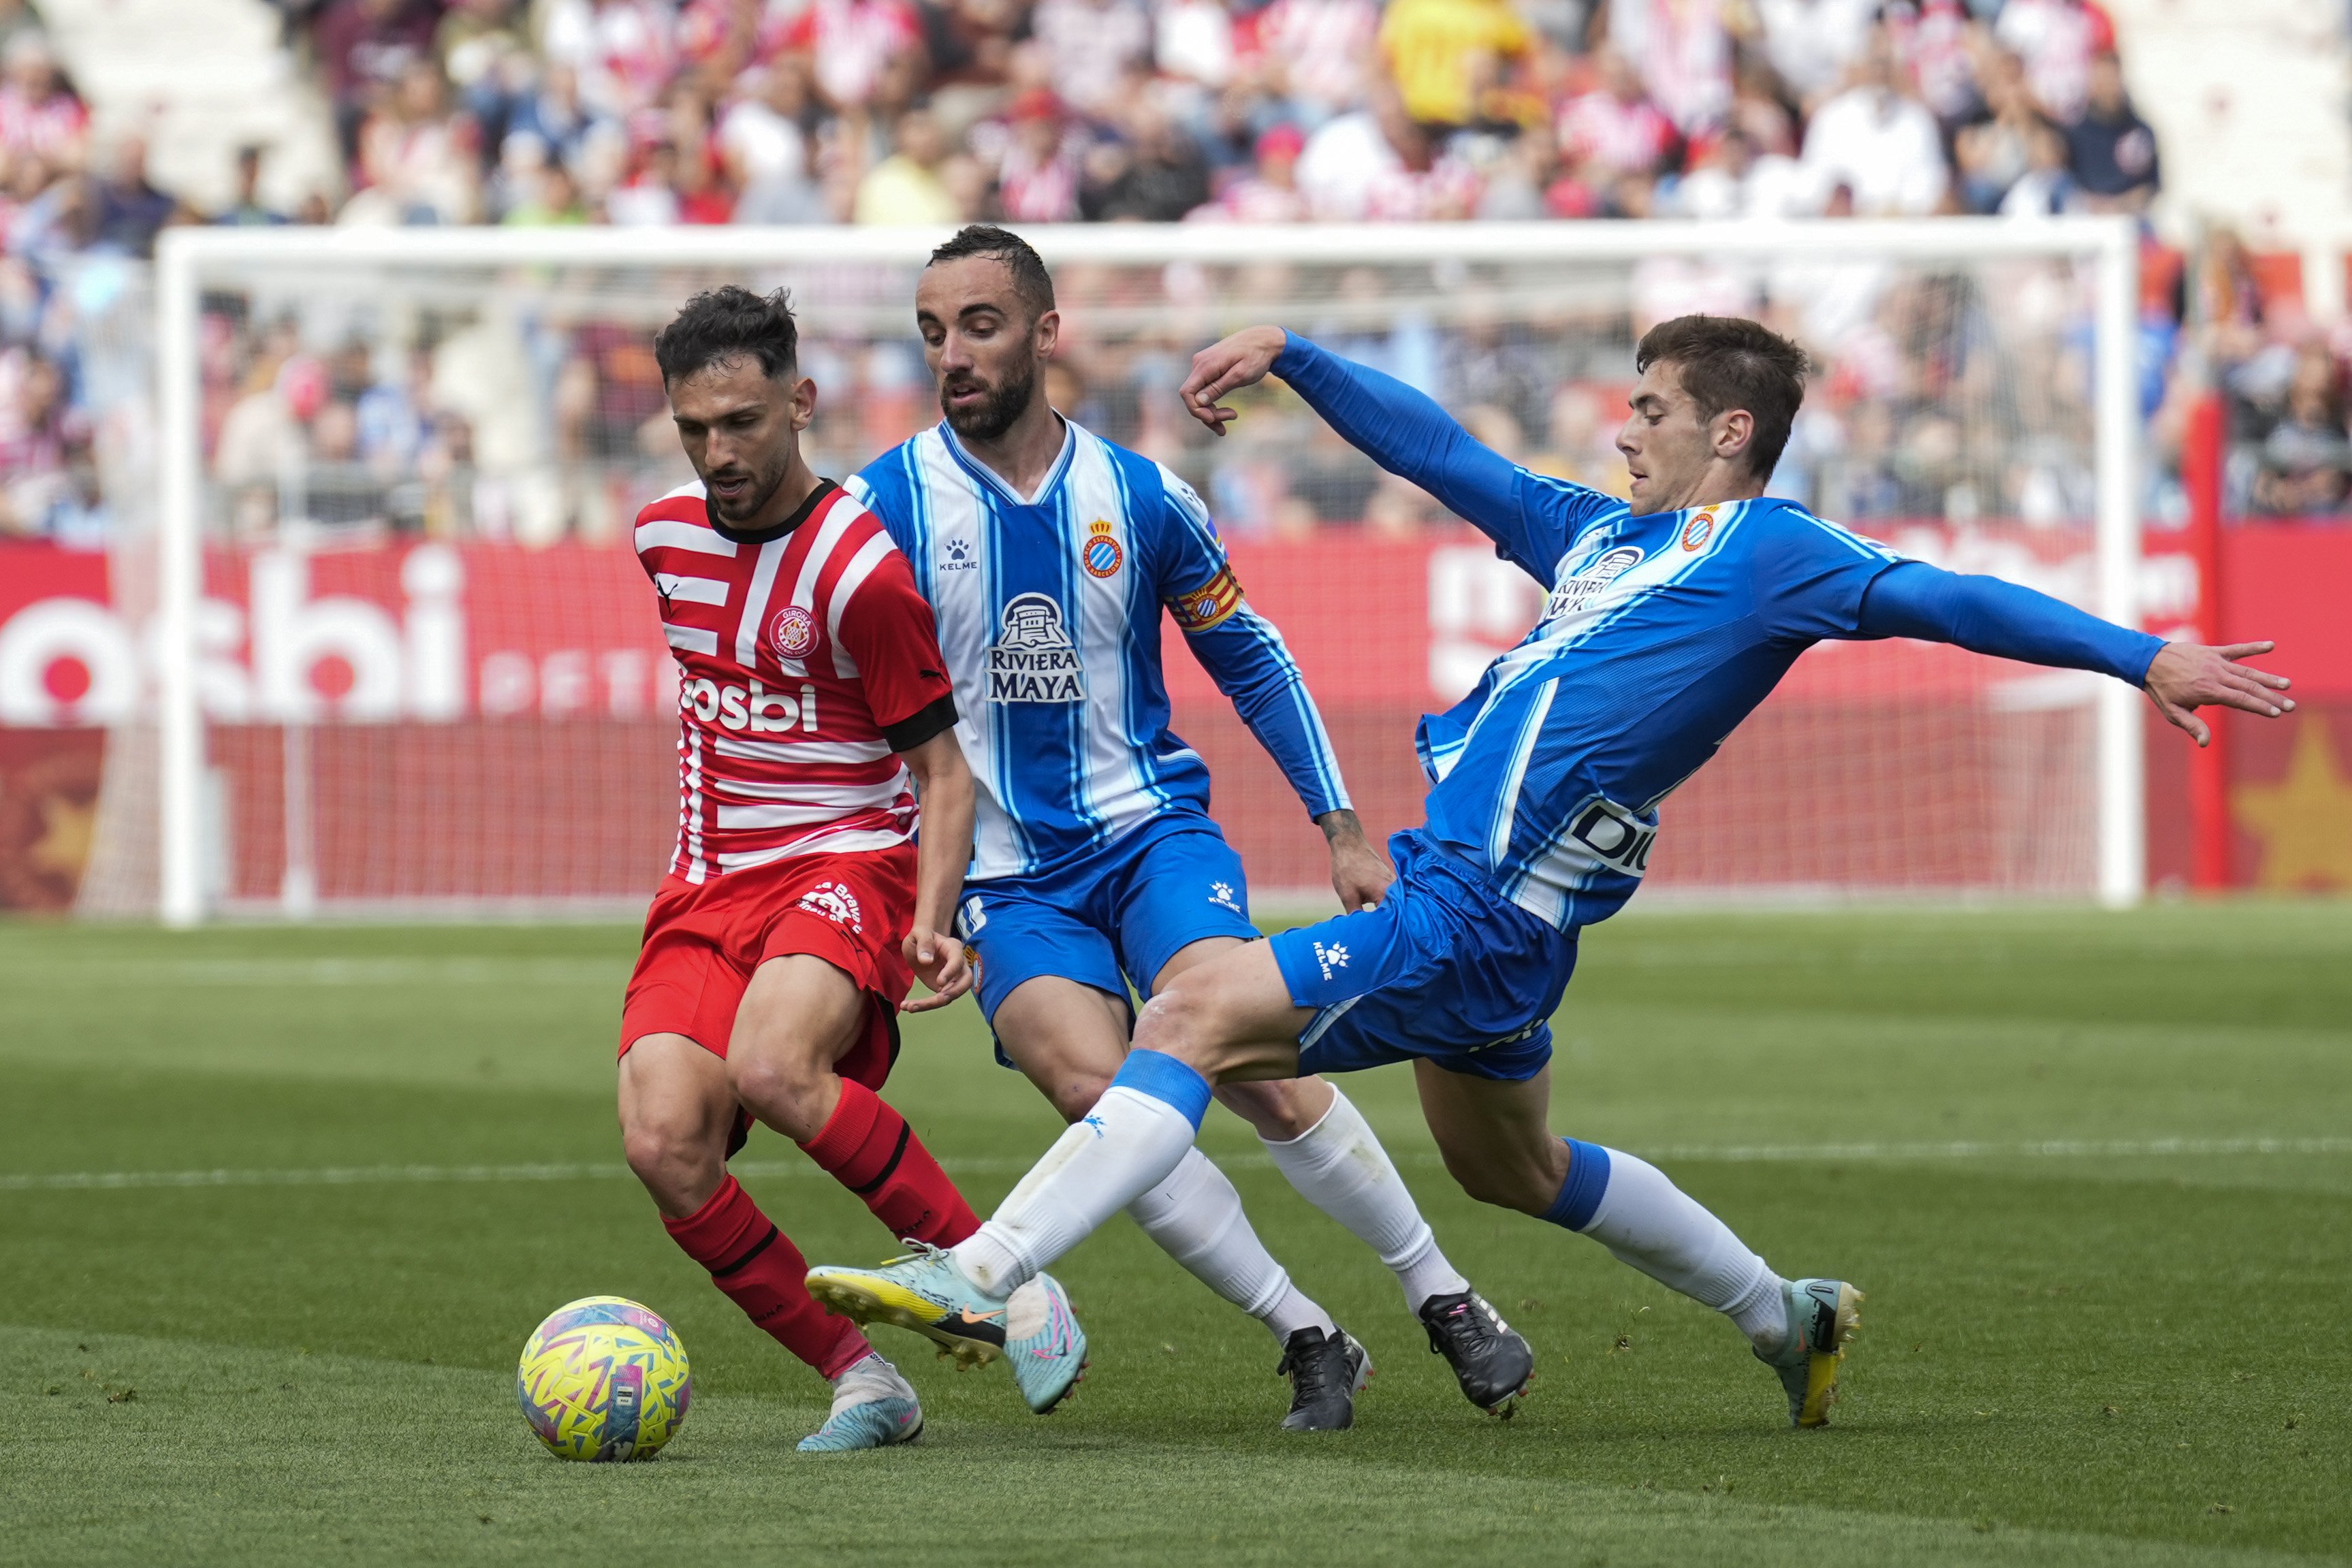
(1048, 555)
(1670, 618)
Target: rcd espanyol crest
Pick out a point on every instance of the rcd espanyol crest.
(793, 632)
(1101, 553)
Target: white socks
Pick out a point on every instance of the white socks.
(1127, 1144)
(1649, 1223)
(1339, 1167)
(1196, 1218)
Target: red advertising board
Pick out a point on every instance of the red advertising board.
(499, 716)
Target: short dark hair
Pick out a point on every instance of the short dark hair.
(724, 323)
(1031, 281)
(1729, 362)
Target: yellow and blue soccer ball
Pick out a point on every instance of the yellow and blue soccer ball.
(603, 1379)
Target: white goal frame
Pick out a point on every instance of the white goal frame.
(185, 256)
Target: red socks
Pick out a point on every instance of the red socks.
(869, 1149)
(763, 1272)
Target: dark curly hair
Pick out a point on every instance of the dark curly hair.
(724, 323)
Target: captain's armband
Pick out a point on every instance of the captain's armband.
(1210, 605)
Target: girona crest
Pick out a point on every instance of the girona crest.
(793, 632)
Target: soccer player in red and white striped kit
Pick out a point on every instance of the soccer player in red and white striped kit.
(815, 714)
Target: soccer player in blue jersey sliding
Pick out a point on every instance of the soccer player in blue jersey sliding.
(1048, 554)
(1669, 619)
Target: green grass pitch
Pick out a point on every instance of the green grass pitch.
(2082, 1345)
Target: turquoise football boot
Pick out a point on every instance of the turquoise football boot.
(873, 1408)
(1822, 1316)
(1044, 1343)
(923, 1290)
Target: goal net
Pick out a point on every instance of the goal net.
(406, 660)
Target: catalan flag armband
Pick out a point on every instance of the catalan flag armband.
(1210, 604)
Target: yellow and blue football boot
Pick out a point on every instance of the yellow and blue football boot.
(924, 1291)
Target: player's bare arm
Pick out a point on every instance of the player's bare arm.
(943, 784)
(1358, 875)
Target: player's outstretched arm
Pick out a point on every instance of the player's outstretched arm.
(1403, 430)
(1986, 615)
(944, 852)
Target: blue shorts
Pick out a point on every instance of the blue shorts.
(1109, 919)
(1447, 968)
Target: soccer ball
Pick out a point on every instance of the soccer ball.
(604, 1378)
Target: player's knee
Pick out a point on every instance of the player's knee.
(670, 1156)
(1074, 1093)
(1181, 1021)
(781, 1090)
(1493, 1181)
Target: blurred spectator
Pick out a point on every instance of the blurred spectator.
(2046, 189)
(1682, 52)
(1447, 56)
(555, 119)
(1317, 56)
(1732, 180)
(2111, 152)
(1089, 46)
(1192, 40)
(31, 439)
(2057, 40)
(1037, 178)
(622, 52)
(246, 209)
(1812, 43)
(130, 210)
(765, 146)
(39, 114)
(852, 43)
(1993, 154)
(2306, 463)
(1269, 194)
(1878, 142)
(1379, 166)
(1938, 44)
(553, 201)
(907, 186)
(420, 161)
(362, 47)
(484, 47)
(1155, 176)
(1614, 130)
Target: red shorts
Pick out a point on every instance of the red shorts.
(703, 941)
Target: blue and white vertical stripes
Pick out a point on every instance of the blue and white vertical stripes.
(1049, 610)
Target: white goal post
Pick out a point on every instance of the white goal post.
(1192, 267)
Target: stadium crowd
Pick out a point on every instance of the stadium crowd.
(897, 111)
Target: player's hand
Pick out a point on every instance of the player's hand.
(1227, 366)
(938, 961)
(2186, 676)
(1358, 875)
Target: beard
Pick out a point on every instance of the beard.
(994, 414)
(756, 496)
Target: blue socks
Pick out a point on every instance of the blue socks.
(1165, 1079)
(1579, 1195)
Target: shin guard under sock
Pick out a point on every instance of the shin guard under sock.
(869, 1148)
(763, 1272)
